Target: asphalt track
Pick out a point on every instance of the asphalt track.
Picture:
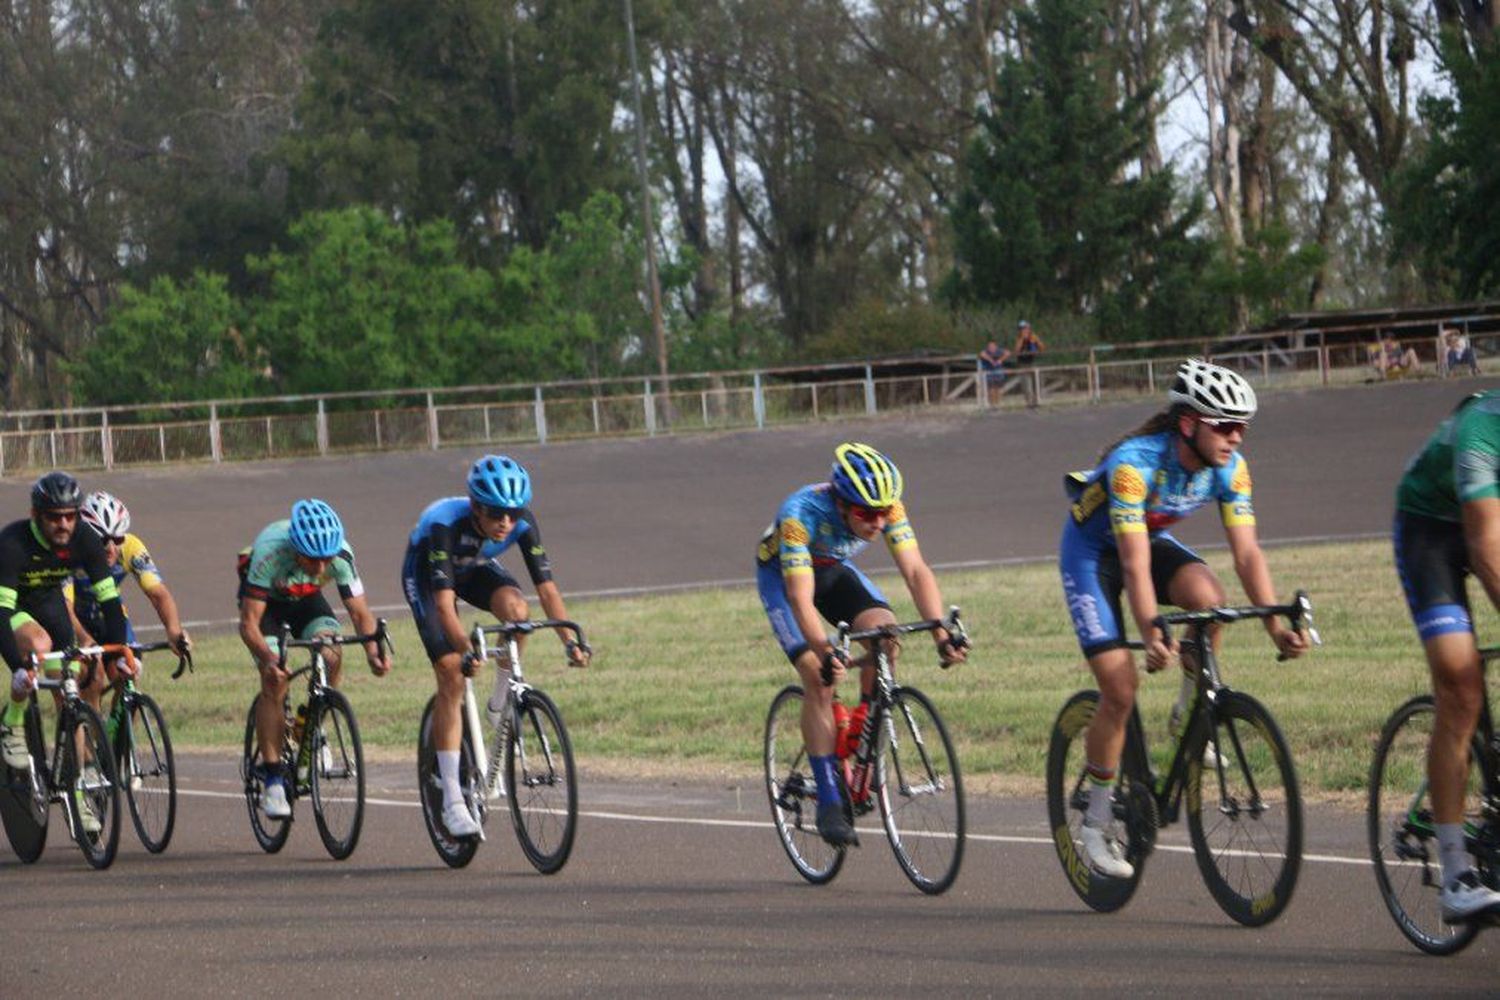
(680, 887)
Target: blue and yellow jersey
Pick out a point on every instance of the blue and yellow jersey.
(1142, 487)
(134, 560)
(808, 532)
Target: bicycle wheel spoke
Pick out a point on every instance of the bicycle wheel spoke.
(923, 808)
(542, 783)
(336, 773)
(148, 772)
(793, 793)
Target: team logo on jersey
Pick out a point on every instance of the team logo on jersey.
(794, 532)
(1241, 482)
(1127, 485)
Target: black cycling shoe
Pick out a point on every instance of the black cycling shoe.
(834, 826)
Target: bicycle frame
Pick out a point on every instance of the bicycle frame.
(44, 790)
(317, 667)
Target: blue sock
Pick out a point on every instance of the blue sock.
(825, 773)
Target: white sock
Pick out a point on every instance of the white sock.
(1452, 851)
(448, 771)
(1100, 810)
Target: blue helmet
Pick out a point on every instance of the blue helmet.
(861, 475)
(316, 531)
(498, 481)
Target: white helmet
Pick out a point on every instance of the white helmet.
(1213, 391)
(105, 514)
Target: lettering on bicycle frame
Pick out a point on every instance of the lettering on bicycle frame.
(1076, 718)
(1078, 871)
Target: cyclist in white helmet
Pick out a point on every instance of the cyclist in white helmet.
(127, 556)
(1185, 456)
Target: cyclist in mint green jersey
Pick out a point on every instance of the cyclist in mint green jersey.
(1447, 527)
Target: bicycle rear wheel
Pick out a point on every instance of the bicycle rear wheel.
(1133, 823)
(336, 771)
(541, 781)
(456, 852)
(1244, 811)
(24, 797)
(793, 792)
(91, 793)
(920, 791)
(143, 755)
(1403, 838)
(270, 833)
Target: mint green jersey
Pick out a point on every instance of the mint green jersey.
(1460, 462)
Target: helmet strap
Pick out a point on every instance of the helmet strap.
(1192, 441)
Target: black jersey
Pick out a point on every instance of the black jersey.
(31, 569)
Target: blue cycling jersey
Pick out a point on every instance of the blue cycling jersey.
(809, 531)
(452, 547)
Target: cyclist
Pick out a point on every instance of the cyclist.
(37, 556)
(127, 556)
(1448, 526)
(282, 575)
(803, 571)
(454, 552)
(1184, 457)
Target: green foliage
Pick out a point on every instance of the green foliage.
(1269, 272)
(872, 328)
(169, 341)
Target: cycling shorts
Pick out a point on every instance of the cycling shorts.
(48, 609)
(1433, 562)
(1093, 580)
(307, 617)
(840, 593)
(476, 587)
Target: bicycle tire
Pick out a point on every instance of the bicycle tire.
(270, 834)
(1067, 799)
(1403, 841)
(89, 785)
(539, 766)
(148, 772)
(793, 793)
(336, 773)
(1244, 811)
(25, 795)
(921, 793)
(456, 852)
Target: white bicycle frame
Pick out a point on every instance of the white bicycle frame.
(487, 758)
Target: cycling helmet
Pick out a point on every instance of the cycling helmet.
(862, 475)
(105, 514)
(1213, 391)
(498, 481)
(56, 491)
(316, 531)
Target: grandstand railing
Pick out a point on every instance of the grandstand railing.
(290, 426)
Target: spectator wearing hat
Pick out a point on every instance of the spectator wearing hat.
(1028, 346)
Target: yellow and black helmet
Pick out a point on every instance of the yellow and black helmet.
(862, 475)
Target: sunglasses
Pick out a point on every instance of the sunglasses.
(497, 513)
(115, 539)
(869, 514)
(1225, 427)
(60, 516)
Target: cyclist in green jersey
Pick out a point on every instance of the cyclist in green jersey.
(1447, 526)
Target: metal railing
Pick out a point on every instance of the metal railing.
(279, 427)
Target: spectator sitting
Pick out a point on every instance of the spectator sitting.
(992, 360)
(1460, 353)
(1392, 360)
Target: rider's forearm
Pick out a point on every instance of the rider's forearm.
(553, 606)
(166, 608)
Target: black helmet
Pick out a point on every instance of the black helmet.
(56, 491)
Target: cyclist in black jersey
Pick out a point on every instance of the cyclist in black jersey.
(37, 556)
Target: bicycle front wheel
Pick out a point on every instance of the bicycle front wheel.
(24, 799)
(542, 783)
(1133, 819)
(456, 852)
(270, 833)
(91, 793)
(143, 756)
(921, 792)
(1244, 811)
(336, 770)
(794, 793)
(1403, 835)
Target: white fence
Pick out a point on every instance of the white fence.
(230, 430)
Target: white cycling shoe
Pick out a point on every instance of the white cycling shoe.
(13, 748)
(458, 821)
(273, 801)
(1105, 856)
(1466, 898)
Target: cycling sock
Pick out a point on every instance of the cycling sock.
(448, 770)
(15, 713)
(1452, 850)
(825, 773)
(1101, 787)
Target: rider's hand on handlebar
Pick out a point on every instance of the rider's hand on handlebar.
(950, 649)
(1159, 651)
(182, 643)
(21, 683)
(579, 653)
(380, 663)
(835, 665)
(1290, 643)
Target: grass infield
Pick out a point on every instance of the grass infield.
(681, 682)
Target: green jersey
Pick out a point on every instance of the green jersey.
(1460, 462)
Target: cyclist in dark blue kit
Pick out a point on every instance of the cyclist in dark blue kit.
(454, 552)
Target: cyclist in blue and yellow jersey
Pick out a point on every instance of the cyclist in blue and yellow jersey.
(453, 553)
(37, 556)
(803, 571)
(1447, 527)
(1184, 457)
(128, 557)
(282, 575)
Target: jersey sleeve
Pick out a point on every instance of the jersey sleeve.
(898, 531)
(346, 574)
(10, 583)
(136, 559)
(1234, 493)
(532, 551)
(1476, 452)
(1125, 484)
(793, 539)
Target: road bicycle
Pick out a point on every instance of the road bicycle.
(903, 762)
(80, 773)
(321, 752)
(1402, 832)
(519, 751)
(142, 745)
(1231, 766)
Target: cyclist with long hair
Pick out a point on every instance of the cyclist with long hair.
(282, 575)
(453, 553)
(1116, 538)
(804, 575)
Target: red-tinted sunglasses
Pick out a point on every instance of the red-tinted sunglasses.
(869, 514)
(1225, 427)
(59, 516)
